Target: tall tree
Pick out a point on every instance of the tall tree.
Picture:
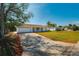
(75, 27)
(11, 13)
(51, 24)
(70, 26)
(1, 21)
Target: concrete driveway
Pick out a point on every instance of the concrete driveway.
(36, 45)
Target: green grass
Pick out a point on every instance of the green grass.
(65, 36)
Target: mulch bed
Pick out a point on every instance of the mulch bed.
(10, 45)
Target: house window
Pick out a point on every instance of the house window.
(37, 29)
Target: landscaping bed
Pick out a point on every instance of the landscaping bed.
(10, 45)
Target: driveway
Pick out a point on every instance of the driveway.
(36, 45)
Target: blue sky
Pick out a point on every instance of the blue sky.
(59, 13)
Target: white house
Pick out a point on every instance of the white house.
(32, 28)
(66, 29)
(52, 28)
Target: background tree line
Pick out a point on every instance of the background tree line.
(72, 27)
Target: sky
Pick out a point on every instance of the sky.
(59, 13)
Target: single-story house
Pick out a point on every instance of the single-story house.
(67, 29)
(52, 28)
(32, 28)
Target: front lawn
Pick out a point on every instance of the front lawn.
(65, 36)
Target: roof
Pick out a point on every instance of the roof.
(31, 25)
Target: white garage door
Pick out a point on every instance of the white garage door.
(19, 30)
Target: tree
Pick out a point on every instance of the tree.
(1, 22)
(54, 25)
(60, 28)
(51, 24)
(70, 26)
(11, 13)
(48, 23)
(75, 27)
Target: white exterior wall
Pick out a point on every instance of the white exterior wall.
(40, 30)
(19, 30)
(24, 30)
(52, 29)
(45, 29)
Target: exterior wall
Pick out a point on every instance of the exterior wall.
(37, 30)
(31, 29)
(40, 30)
(44, 29)
(24, 30)
(66, 29)
(52, 29)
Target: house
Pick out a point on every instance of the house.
(32, 28)
(67, 29)
(59, 28)
(52, 28)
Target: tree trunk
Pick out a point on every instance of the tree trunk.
(1, 21)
